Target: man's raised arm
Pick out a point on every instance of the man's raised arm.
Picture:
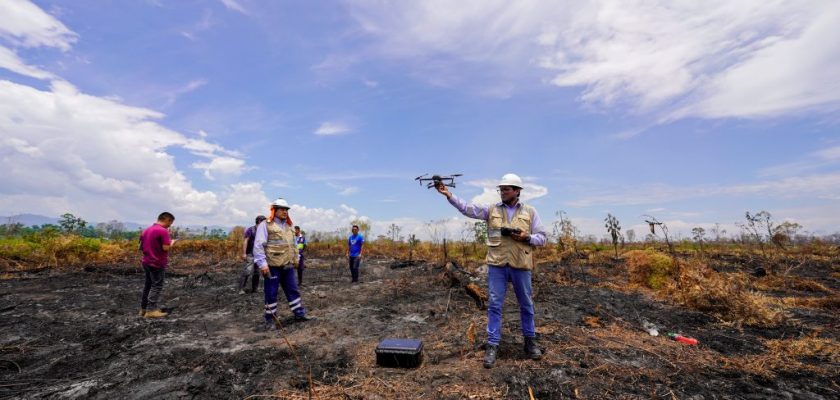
(470, 210)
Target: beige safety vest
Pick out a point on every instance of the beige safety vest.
(280, 247)
(503, 250)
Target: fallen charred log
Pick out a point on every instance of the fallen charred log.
(459, 277)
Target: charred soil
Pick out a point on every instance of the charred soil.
(78, 335)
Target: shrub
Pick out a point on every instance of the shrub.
(649, 267)
(16, 248)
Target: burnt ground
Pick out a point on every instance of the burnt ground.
(77, 335)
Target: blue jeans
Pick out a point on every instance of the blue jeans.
(497, 280)
(285, 277)
(355, 262)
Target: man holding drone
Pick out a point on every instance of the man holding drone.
(513, 230)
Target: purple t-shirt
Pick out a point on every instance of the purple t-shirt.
(250, 235)
(152, 241)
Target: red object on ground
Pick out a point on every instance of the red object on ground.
(684, 339)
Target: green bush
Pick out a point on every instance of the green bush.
(17, 248)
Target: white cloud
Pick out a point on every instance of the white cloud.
(107, 159)
(191, 86)
(10, 61)
(791, 73)
(349, 190)
(323, 219)
(235, 6)
(711, 59)
(221, 165)
(243, 202)
(23, 23)
(489, 194)
(331, 128)
(343, 190)
(370, 83)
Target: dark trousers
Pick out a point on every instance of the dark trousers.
(355, 263)
(300, 268)
(153, 289)
(252, 271)
(282, 277)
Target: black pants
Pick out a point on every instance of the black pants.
(153, 289)
(354, 268)
(300, 268)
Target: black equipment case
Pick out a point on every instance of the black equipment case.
(399, 353)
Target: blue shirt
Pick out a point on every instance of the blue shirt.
(355, 243)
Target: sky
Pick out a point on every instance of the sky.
(692, 112)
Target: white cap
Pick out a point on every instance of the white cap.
(280, 202)
(511, 180)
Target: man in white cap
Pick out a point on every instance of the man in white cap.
(276, 254)
(513, 230)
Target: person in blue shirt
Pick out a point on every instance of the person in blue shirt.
(354, 252)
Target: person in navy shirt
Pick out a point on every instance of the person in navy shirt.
(354, 252)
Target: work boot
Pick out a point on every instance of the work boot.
(155, 314)
(531, 349)
(142, 312)
(490, 355)
(303, 318)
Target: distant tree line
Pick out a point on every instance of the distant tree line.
(69, 224)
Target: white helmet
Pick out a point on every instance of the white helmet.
(281, 203)
(511, 180)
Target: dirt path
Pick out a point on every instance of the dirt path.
(77, 335)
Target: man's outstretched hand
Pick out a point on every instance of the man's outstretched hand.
(442, 189)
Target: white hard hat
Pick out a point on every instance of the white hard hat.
(511, 180)
(281, 203)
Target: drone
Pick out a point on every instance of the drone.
(435, 180)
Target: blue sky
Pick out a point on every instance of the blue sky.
(694, 112)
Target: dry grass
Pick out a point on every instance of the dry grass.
(726, 296)
(778, 282)
(790, 356)
(821, 349)
(825, 303)
(649, 268)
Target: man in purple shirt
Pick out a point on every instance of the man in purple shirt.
(513, 230)
(155, 244)
(248, 256)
